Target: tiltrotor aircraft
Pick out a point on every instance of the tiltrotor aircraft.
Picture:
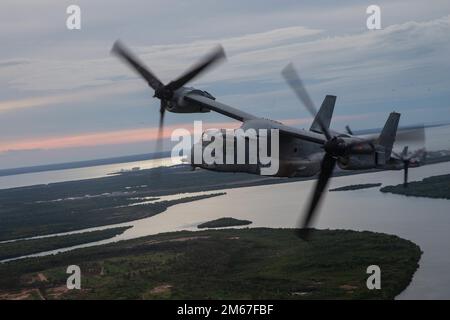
(301, 152)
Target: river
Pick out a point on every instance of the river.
(423, 221)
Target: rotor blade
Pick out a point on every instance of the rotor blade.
(405, 151)
(156, 173)
(349, 131)
(327, 166)
(405, 175)
(213, 57)
(123, 53)
(162, 110)
(292, 78)
(416, 136)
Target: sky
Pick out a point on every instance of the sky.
(63, 97)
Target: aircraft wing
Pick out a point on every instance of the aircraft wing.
(218, 107)
(401, 128)
(239, 115)
(301, 134)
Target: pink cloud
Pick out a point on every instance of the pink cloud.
(131, 135)
(103, 138)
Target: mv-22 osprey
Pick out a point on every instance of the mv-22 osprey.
(301, 152)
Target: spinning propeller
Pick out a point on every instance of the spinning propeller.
(349, 131)
(407, 158)
(166, 92)
(334, 147)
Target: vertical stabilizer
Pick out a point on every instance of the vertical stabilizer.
(387, 135)
(325, 113)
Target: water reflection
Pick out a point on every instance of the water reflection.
(45, 177)
(423, 221)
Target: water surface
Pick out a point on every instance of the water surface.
(423, 221)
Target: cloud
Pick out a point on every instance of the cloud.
(260, 57)
(101, 138)
(78, 96)
(56, 74)
(403, 67)
(12, 63)
(374, 62)
(370, 60)
(118, 137)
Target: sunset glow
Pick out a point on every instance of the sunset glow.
(129, 135)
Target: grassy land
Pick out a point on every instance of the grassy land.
(22, 218)
(25, 247)
(72, 205)
(357, 187)
(432, 187)
(224, 222)
(255, 263)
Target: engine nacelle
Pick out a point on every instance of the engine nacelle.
(375, 159)
(356, 162)
(179, 105)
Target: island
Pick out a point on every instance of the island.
(224, 222)
(357, 187)
(437, 187)
(249, 263)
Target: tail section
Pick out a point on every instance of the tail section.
(387, 135)
(325, 113)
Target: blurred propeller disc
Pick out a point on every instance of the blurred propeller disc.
(166, 92)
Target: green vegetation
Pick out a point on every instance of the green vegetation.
(257, 263)
(25, 247)
(432, 187)
(357, 187)
(224, 222)
(72, 205)
(22, 218)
